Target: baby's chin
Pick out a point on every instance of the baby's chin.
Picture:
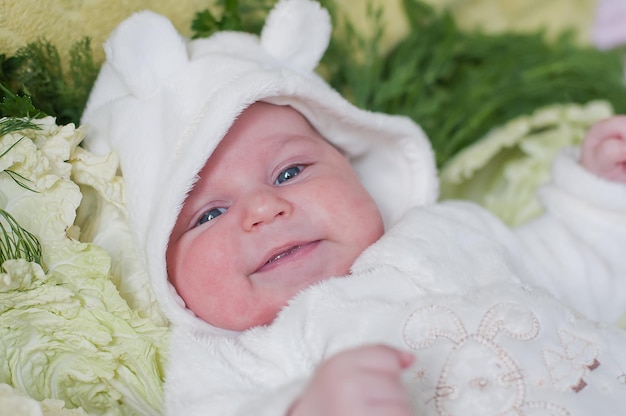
(262, 318)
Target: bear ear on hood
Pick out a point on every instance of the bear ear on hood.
(297, 33)
(145, 50)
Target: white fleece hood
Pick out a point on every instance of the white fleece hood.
(163, 103)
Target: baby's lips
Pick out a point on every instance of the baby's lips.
(279, 253)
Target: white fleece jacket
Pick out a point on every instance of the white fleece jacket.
(463, 292)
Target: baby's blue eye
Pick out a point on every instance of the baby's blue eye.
(288, 174)
(211, 215)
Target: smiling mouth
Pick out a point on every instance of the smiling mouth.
(294, 252)
(283, 254)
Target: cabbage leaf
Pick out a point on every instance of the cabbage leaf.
(67, 331)
(503, 170)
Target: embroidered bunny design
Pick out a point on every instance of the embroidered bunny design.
(479, 377)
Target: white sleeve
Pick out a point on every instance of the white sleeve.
(581, 239)
(211, 376)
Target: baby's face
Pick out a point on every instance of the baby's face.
(276, 209)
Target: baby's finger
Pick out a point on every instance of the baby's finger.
(375, 393)
(613, 150)
(382, 358)
(604, 150)
(613, 127)
(608, 160)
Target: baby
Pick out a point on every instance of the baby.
(294, 214)
(294, 242)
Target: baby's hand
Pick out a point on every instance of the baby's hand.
(604, 149)
(362, 381)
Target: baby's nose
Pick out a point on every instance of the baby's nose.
(263, 207)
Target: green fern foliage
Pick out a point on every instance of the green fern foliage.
(34, 82)
(458, 84)
(16, 242)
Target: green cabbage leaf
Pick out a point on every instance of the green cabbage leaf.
(70, 331)
(15, 403)
(503, 170)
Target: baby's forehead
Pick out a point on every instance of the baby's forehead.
(265, 151)
(265, 115)
(264, 125)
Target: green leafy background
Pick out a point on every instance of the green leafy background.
(456, 83)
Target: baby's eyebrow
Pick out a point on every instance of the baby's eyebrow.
(290, 140)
